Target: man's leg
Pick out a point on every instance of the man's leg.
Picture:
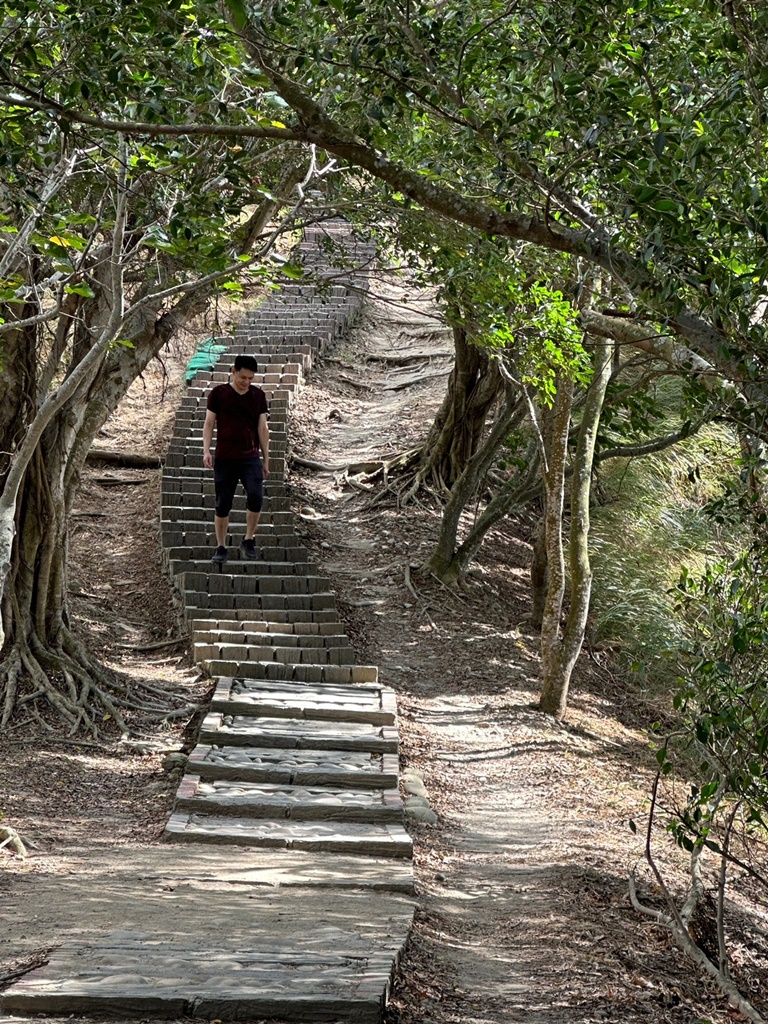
(221, 526)
(225, 482)
(251, 523)
(254, 489)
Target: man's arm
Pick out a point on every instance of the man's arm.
(264, 443)
(210, 423)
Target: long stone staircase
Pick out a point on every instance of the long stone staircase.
(295, 856)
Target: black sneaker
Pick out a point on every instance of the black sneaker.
(248, 550)
(220, 555)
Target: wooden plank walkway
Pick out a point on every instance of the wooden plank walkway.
(297, 760)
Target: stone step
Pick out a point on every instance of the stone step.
(223, 798)
(279, 398)
(224, 636)
(243, 577)
(192, 507)
(275, 380)
(163, 869)
(280, 621)
(318, 607)
(178, 491)
(187, 472)
(277, 626)
(290, 342)
(192, 418)
(197, 472)
(355, 769)
(318, 318)
(363, 703)
(292, 351)
(376, 840)
(185, 458)
(129, 980)
(274, 493)
(278, 391)
(286, 672)
(273, 547)
(188, 429)
(273, 344)
(267, 364)
(185, 534)
(190, 444)
(194, 444)
(236, 565)
(270, 517)
(187, 439)
(276, 512)
(206, 651)
(194, 409)
(197, 558)
(189, 459)
(201, 535)
(268, 380)
(287, 733)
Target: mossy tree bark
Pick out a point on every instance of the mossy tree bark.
(561, 644)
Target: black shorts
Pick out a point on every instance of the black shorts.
(228, 473)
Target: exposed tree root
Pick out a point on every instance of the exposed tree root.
(413, 480)
(132, 459)
(160, 645)
(38, 959)
(409, 358)
(84, 696)
(362, 472)
(10, 837)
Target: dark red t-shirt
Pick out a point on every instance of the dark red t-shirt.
(237, 420)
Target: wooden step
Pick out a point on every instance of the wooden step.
(304, 673)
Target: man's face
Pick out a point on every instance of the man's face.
(241, 380)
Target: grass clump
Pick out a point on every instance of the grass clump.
(651, 519)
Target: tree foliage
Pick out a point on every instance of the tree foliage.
(606, 131)
(718, 755)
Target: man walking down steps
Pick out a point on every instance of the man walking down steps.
(237, 411)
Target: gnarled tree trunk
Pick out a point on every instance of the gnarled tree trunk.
(443, 561)
(43, 664)
(473, 387)
(560, 645)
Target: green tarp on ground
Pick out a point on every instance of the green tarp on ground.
(206, 356)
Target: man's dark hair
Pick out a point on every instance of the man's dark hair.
(246, 363)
